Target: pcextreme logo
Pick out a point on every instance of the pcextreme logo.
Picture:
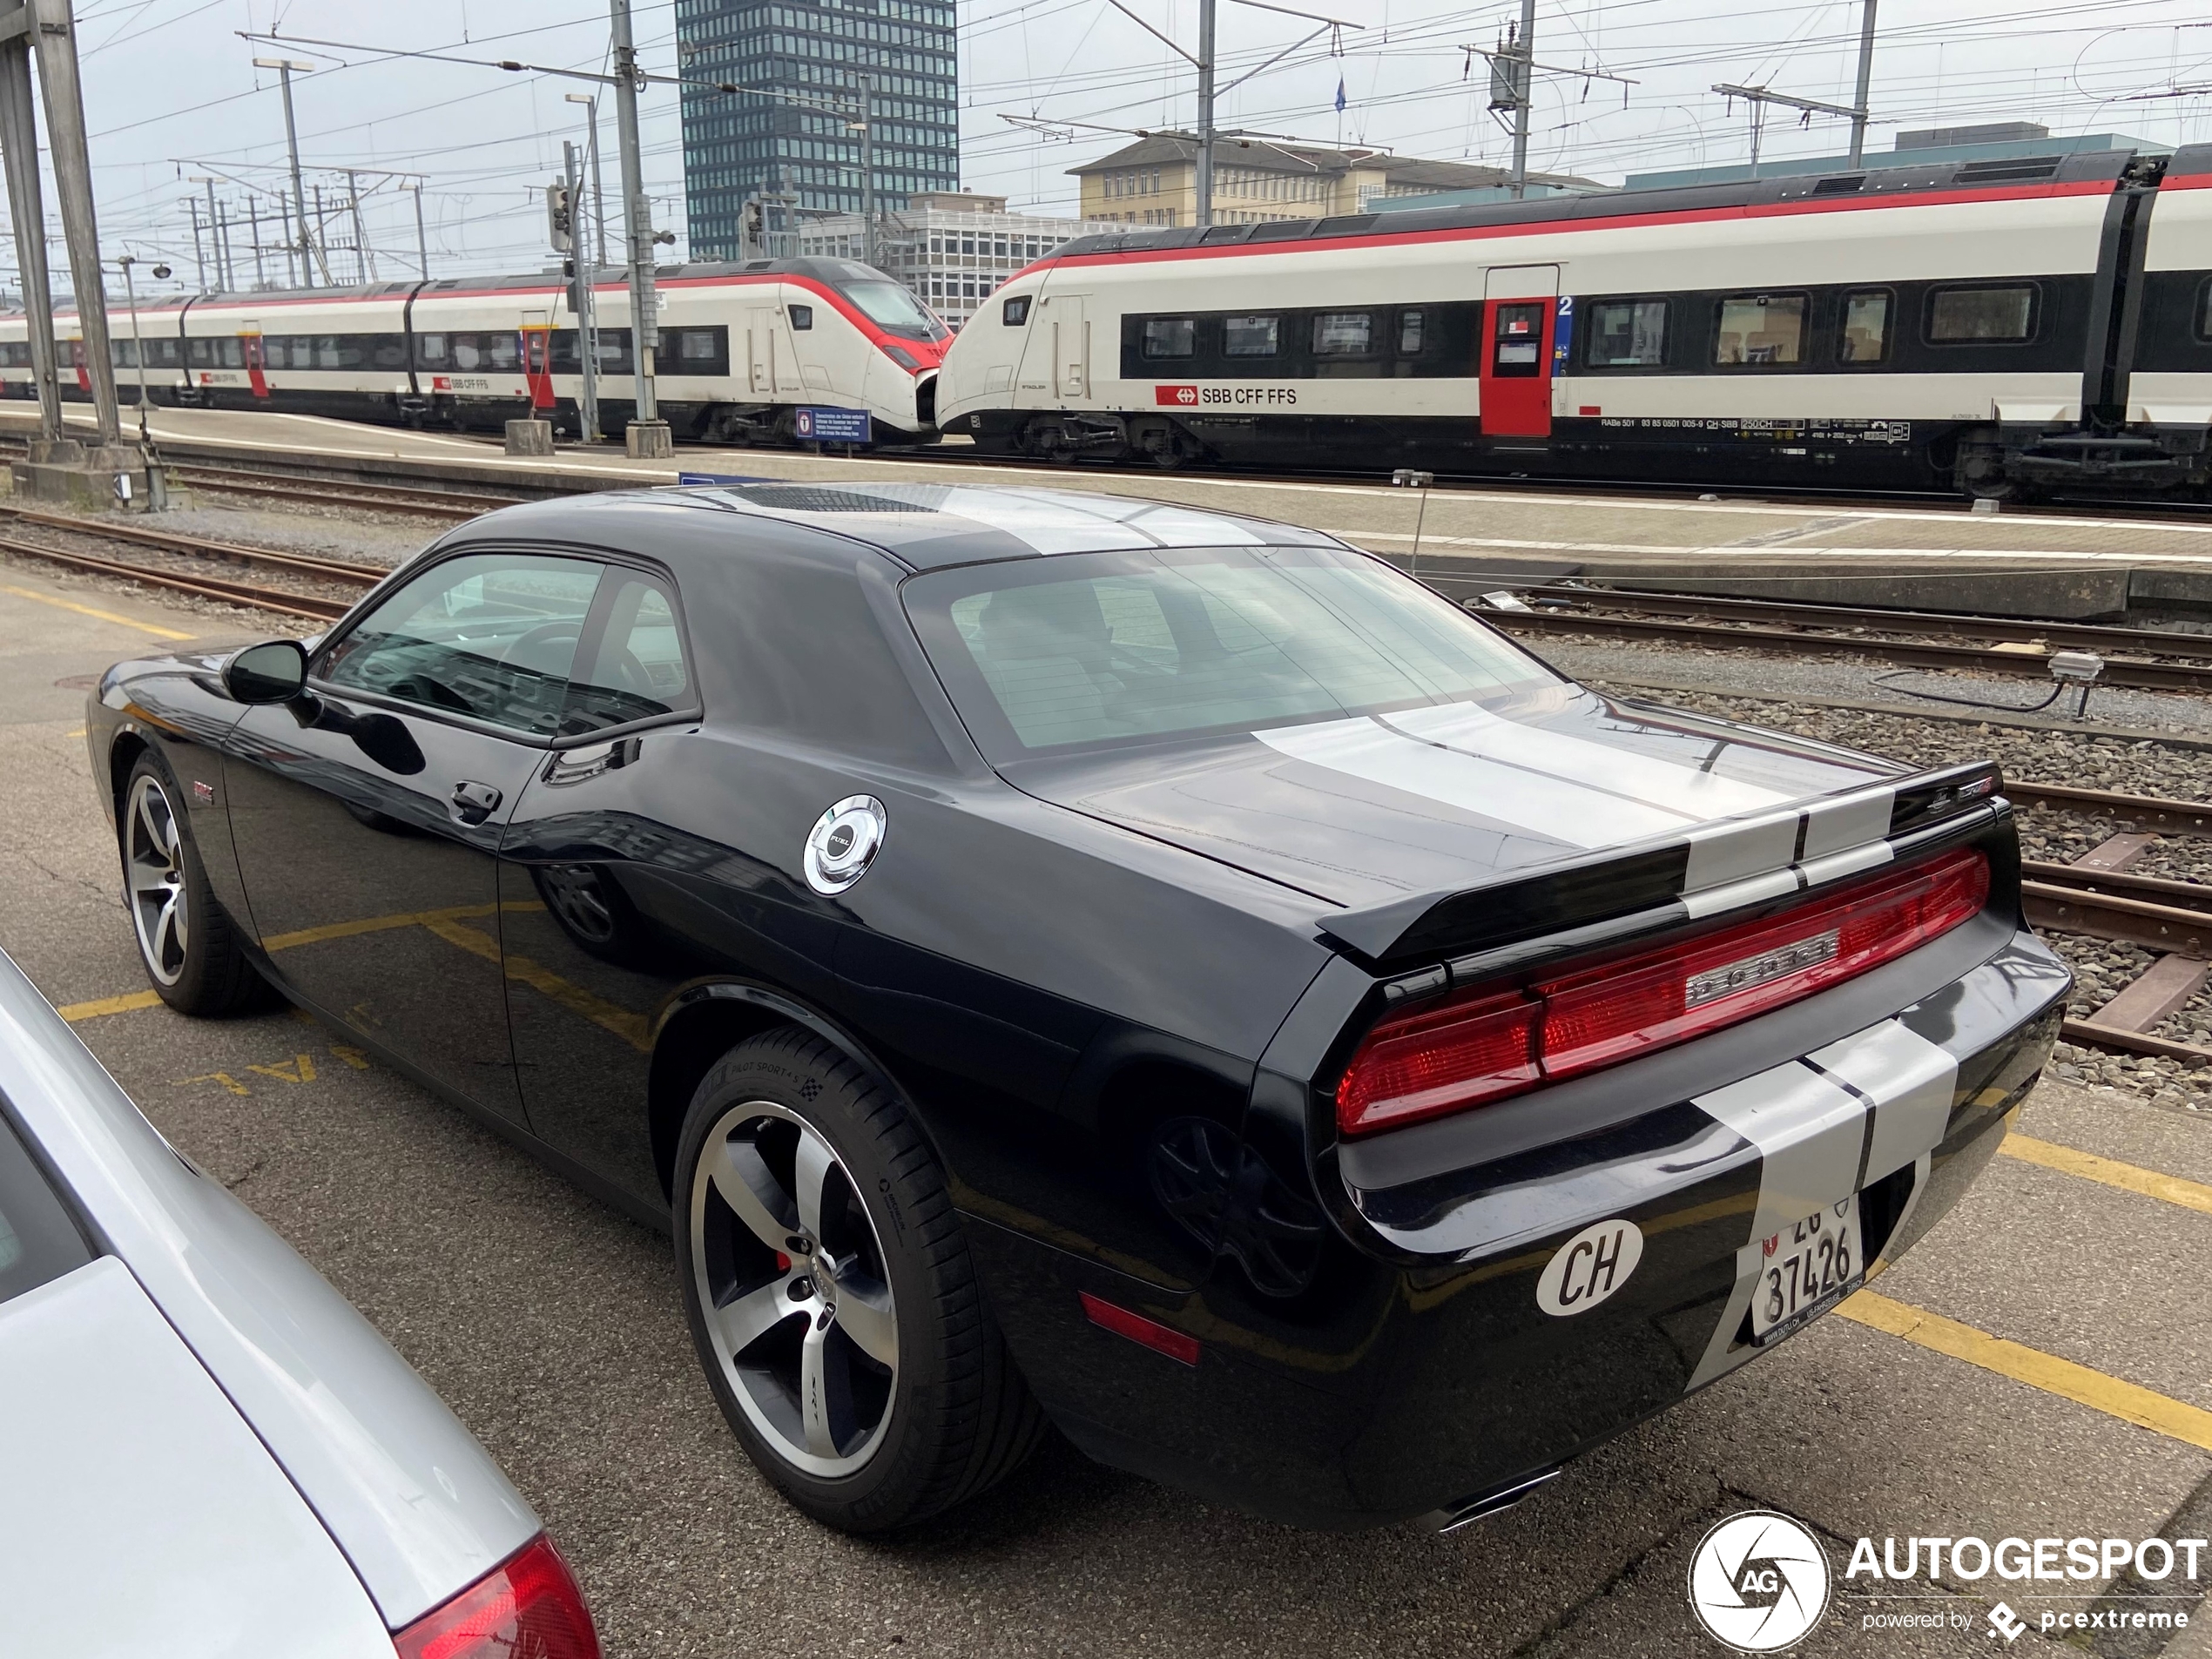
(1758, 1581)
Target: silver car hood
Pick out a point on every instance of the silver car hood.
(143, 1516)
(417, 1506)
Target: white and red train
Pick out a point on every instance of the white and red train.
(1995, 327)
(746, 352)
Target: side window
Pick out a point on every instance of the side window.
(802, 318)
(637, 669)
(1628, 333)
(490, 636)
(1016, 312)
(1517, 341)
(1866, 328)
(2203, 311)
(433, 348)
(1761, 328)
(1170, 336)
(1409, 333)
(1342, 334)
(1957, 315)
(1249, 336)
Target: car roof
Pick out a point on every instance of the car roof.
(930, 526)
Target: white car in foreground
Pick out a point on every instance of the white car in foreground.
(205, 1450)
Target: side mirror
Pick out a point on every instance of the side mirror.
(274, 672)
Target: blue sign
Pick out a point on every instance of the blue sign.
(833, 426)
(1562, 333)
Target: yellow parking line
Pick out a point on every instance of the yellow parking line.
(630, 1027)
(2127, 1401)
(2190, 1194)
(92, 1010)
(87, 610)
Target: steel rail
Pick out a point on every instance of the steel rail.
(199, 547)
(293, 604)
(2144, 811)
(2132, 674)
(452, 505)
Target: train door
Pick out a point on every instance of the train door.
(537, 361)
(1071, 346)
(1519, 309)
(76, 350)
(761, 351)
(249, 353)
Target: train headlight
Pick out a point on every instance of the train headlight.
(904, 358)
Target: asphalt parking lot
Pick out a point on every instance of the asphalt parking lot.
(2071, 1293)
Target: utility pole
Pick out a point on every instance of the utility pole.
(591, 148)
(199, 258)
(362, 257)
(322, 239)
(422, 238)
(19, 146)
(1525, 58)
(1865, 83)
(584, 298)
(1512, 80)
(637, 221)
(1204, 178)
(284, 66)
(1759, 98)
(55, 40)
(291, 246)
(866, 124)
(254, 230)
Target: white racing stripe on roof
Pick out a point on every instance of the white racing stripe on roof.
(1648, 778)
(1557, 808)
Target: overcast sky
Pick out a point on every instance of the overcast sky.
(171, 93)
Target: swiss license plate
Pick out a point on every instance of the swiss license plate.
(1806, 1268)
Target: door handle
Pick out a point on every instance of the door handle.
(474, 802)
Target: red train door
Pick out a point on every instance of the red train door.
(537, 364)
(249, 348)
(83, 372)
(1519, 312)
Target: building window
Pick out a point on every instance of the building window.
(1169, 337)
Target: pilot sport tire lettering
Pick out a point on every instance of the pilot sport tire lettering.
(831, 1296)
(191, 951)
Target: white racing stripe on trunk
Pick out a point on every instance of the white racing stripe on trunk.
(1555, 807)
(1473, 729)
(1721, 853)
(1817, 871)
(1845, 821)
(1911, 1081)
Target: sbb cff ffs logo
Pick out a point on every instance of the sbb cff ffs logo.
(1183, 397)
(1187, 397)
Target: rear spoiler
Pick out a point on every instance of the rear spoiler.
(1716, 866)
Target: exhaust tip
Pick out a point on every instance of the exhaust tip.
(1452, 1516)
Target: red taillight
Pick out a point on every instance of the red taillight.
(1488, 1043)
(527, 1605)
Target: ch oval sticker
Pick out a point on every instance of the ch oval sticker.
(1589, 1267)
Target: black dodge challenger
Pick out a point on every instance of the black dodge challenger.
(1056, 958)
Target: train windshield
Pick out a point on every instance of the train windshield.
(891, 308)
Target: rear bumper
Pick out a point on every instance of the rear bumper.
(1417, 1376)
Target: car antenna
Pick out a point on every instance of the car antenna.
(1406, 478)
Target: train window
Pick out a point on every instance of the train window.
(433, 348)
(1517, 341)
(1170, 336)
(802, 317)
(1628, 333)
(1015, 312)
(1959, 315)
(1249, 336)
(1866, 327)
(698, 345)
(465, 354)
(1342, 334)
(1409, 333)
(2204, 311)
(202, 353)
(1761, 328)
(234, 354)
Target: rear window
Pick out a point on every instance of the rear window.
(38, 1242)
(1101, 649)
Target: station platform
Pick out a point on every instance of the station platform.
(2034, 563)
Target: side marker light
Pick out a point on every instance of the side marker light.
(1161, 1338)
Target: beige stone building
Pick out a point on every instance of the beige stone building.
(1154, 181)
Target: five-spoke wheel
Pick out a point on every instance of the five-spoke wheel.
(153, 868)
(792, 1283)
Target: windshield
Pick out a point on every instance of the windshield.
(38, 1242)
(894, 310)
(1102, 649)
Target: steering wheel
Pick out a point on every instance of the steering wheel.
(544, 634)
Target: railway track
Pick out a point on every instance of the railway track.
(358, 578)
(449, 506)
(2099, 895)
(2017, 649)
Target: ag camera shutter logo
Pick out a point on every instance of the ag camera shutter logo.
(1758, 1581)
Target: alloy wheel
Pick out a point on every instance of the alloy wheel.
(793, 1289)
(153, 865)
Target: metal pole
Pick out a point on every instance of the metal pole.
(137, 348)
(362, 258)
(19, 146)
(1758, 123)
(322, 240)
(1523, 67)
(587, 335)
(1865, 83)
(422, 238)
(254, 230)
(214, 242)
(637, 214)
(298, 195)
(198, 257)
(1203, 180)
(64, 100)
(868, 170)
(291, 246)
(598, 184)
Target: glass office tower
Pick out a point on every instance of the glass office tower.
(813, 52)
